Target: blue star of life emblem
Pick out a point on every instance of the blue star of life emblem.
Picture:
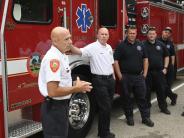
(84, 20)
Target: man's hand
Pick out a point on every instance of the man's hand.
(144, 75)
(164, 71)
(75, 50)
(82, 86)
(114, 77)
(120, 76)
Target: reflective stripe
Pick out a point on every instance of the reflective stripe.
(15, 66)
(180, 46)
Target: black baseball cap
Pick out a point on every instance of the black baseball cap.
(168, 29)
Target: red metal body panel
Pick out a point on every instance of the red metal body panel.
(1, 112)
(80, 39)
(22, 40)
(1, 93)
(1, 10)
(116, 34)
(161, 17)
(180, 61)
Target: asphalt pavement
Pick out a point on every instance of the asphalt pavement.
(166, 126)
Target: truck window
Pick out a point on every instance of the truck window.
(32, 11)
(108, 13)
(0, 4)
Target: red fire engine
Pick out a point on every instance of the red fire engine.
(25, 38)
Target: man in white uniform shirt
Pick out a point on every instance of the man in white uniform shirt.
(103, 79)
(55, 84)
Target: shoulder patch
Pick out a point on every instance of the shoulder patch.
(168, 46)
(139, 48)
(158, 47)
(54, 65)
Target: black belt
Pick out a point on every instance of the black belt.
(153, 70)
(133, 73)
(49, 99)
(102, 76)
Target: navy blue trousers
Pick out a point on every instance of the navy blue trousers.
(134, 85)
(55, 118)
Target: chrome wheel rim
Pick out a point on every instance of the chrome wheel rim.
(79, 109)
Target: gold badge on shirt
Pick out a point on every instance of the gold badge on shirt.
(54, 65)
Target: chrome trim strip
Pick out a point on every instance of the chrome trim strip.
(180, 69)
(179, 47)
(4, 73)
(77, 63)
(162, 5)
(64, 12)
(123, 12)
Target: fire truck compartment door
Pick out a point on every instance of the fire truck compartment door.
(27, 38)
(83, 21)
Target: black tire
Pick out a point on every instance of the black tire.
(81, 131)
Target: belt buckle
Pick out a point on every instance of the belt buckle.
(48, 99)
(108, 76)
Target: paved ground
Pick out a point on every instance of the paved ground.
(166, 126)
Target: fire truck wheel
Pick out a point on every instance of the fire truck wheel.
(81, 113)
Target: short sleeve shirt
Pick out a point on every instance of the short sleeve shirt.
(169, 45)
(130, 56)
(54, 67)
(156, 54)
(100, 56)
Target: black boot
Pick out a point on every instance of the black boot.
(174, 99)
(130, 121)
(165, 111)
(148, 122)
(109, 135)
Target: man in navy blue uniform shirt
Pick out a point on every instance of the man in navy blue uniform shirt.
(158, 58)
(165, 38)
(131, 65)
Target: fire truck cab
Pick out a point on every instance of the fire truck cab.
(25, 38)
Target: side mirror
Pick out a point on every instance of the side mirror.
(17, 12)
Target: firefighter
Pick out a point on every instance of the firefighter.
(55, 84)
(131, 64)
(165, 38)
(158, 58)
(103, 79)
